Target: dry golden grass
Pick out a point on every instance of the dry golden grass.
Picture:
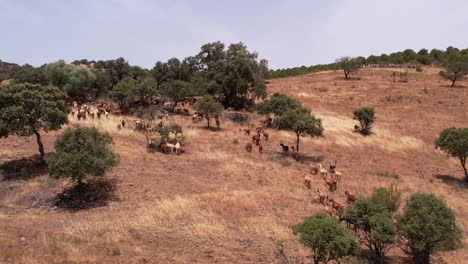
(218, 203)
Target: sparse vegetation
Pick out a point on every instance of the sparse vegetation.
(388, 197)
(388, 174)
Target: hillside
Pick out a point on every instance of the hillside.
(218, 203)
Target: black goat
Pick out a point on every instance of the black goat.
(285, 148)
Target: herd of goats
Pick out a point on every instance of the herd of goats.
(330, 176)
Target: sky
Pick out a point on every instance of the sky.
(287, 33)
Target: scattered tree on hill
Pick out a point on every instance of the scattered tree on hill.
(375, 224)
(278, 104)
(366, 117)
(80, 83)
(176, 90)
(208, 106)
(82, 152)
(348, 65)
(117, 69)
(455, 71)
(26, 109)
(129, 90)
(301, 122)
(429, 226)
(291, 115)
(30, 74)
(326, 238)
(454, 141)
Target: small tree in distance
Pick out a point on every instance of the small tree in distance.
(429, 225)
(366, 117)
(326, 238)
(348, 65)
(454, 141)
(26, 109)
(209, 107)
(82, 152)
(455, 71)
(176, 90)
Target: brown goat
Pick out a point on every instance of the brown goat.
(350, 198)
(336, 205)
(247, 131)
(248, 147)
(331, 183)
(260, 148)
(307, 181)
(328, 210)
(266, 136)
(323, 197)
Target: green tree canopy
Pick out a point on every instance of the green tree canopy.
(301, 122)
(82, 152)
(176, 90)
(454, 141)
(429, 225)
(26, 109)
(278, 104)
(376, 224)
(348, 65)
(80, 82)
(388, 197)
(208, 106)
(326, 238)
(366, 117)
(455, 71)
(130, 90)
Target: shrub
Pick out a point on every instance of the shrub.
(366, 118)
(388, 174)
(375, 221)
(209, 107)
(429, 225)
(326, 238)
(82, 152)
(419, 68)
(388, 197)
(454, 141)
(170, 129)
(455, 71)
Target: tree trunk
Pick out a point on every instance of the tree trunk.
(173, 106)
(208, 120)
(422, 257)
(463, 163)
(346, 74)
(39, 143)
(297, 141)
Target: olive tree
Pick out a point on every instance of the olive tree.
(301, 122)
(428, 225)
(82, 152)
(366, 117)
(348, 65)
(278, 104)
(376, 228)
(455, 71)
(208, 106)
(26, 109)
(326, 238)
(454, 141)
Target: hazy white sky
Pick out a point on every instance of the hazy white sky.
(287, 33)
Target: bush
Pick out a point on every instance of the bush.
(388, 197)
(326, 238)
(167, 131)
(366, 118)
(376, 223)
(454, 141)
(419, 68)
(429, 225)
(82, 152)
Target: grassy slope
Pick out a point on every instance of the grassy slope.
(220, 203)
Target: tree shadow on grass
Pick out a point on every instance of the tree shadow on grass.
(23, 169)
(92, 194)
(452, 180)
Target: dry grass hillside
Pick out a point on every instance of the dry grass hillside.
(218, 203)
